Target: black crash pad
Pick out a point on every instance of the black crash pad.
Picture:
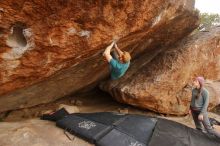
(101, 128)
(56, 115)
(169, 133)
(112, 129)
(87, 129)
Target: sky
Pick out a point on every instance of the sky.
(208, 6)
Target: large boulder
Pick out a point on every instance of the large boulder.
(50, 49)
(164, 83)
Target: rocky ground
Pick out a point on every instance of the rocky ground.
(23, 127)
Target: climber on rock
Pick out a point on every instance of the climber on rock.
(119, 61)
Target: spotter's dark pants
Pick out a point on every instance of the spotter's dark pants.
(204, 124)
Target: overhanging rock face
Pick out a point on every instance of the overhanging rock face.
(164, 84)
(50, 49)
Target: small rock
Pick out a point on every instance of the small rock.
(124, 111)
(79, 103)
(162, 115)
(26, 113)
(73, 101)
(47, 112)
(37, 114)
(69, 109)
(76, 102)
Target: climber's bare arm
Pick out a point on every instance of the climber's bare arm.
(107, 52)
(119, 52)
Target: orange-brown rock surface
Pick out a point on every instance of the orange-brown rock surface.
(51, 48)
(164, 83)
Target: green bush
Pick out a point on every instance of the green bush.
(208, 20)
